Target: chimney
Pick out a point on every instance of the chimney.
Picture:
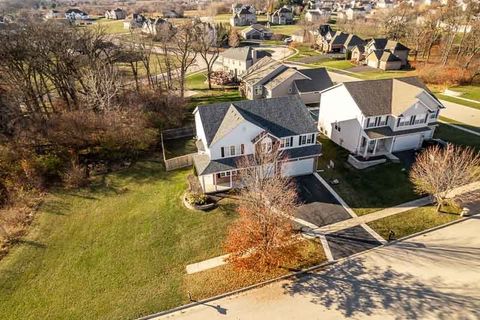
(254, 55)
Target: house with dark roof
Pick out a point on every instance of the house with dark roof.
(256, 32)
(243, 15)
(341, 42)
(76, 14)
(236, 61)
(228, 132)
(116, 14)
(154, 25)
(386, 54)
(269, 78)
(379, 117)
(284, 15)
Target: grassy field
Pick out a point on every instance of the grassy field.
(380, 74)
(115, 251)
(456, 136)
(469, 92)
(286, 30)
(460, 124)
(413, 221)
(365, 190)
(458, 101)
(304, 51)
(179, 147)
(334, 64)
(110, 26)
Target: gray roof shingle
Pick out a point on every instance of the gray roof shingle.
(320, 80)
(282, 116)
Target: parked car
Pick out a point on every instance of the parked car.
(287, 40)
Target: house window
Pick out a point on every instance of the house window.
(286, 142)
(434, 115)
(258, 90)
(232, 150)
(310, 138)
(336, 127)
(224, 174)
(222, 151)
(302, 140)
(242, 149)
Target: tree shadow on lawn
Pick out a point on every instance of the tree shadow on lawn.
(355, 290)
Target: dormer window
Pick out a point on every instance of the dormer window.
(267, 145)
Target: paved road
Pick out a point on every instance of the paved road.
(432, 276)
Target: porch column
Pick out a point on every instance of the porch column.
(375, 147)
(203, 184)
(391, 146)
(366, 148)
(231, 174)
(215, 181)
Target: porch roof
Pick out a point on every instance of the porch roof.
(204, 165)
(386, 132)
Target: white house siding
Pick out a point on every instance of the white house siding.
(372, 62)
(242, 134)
(298, 167)
(392, 65)
(200, 132)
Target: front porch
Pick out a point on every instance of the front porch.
(375, 147)
(218, 182)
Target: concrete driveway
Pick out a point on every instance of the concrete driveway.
(319, 206)
(431, 276)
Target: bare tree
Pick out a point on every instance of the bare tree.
(182, 44)
(262, 237)
(209, 38)
(101, 83)
(233, 38)
(437, 171)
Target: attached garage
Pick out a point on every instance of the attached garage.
(407, 142)
(298, 167)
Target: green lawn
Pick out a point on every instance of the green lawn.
(367, 190)
(380, 74)
(334, 64)
(469, 92)
(457, 136)
(460, 124)
(304, 51)
(287, 30)
(179, 147)
(115, 251)
(412, 221)
(110, 26)
(458, 101)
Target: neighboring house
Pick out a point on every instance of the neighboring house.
(385, 4)
(136, 22)
(76, 14)
(341, 42)
(243, 15)
(378, 117)
(115, 14)
(301, 36)
(317, 15)
(236, 61)
(284, 15)
(256, 32)
(171, 14)
(230, 131)
(358, 53)
(269, 78)
(53, 14)
(355, 13)
(386, 54)
(152, 26)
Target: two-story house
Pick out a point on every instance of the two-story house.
(76, 14)
(284, 15)
(341, 42)
(269, 78)
(230, 131)
(154, 25)
(236, 61)
(116, 14)
(386, 54)
(378, 117)
(256, 32)
(243, 15)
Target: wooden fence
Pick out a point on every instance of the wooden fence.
(177, 133)
(179, 162)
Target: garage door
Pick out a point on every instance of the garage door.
(297, 168)
(406, 142)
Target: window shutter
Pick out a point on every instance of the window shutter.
(398, 122)
(291, 141)
(299, 140)
(222, 150)
(242, 148)
(313, 137)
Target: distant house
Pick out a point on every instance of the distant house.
(341, 42)
(53, 14)
(385, 4)
(379, 117)
(269, 78)
(317, 15)
(228, 132)
(115, 14)
(136, 22)
(153, 26)
(76, 14)
(236, 61)
(243, 15)
(256, 32)
(172, 14)
(355, 13)
(358, 53)
(284, 15)
(386, 54)
(301, 36)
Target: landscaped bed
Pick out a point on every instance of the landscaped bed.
(117, 250)
(413, 221)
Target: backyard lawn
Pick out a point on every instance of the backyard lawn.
(110, 26)
(115, 251)
(470, 104)
(412, 221)
(457, 136)
(367, 190)
(469, 92)
(380, 74)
